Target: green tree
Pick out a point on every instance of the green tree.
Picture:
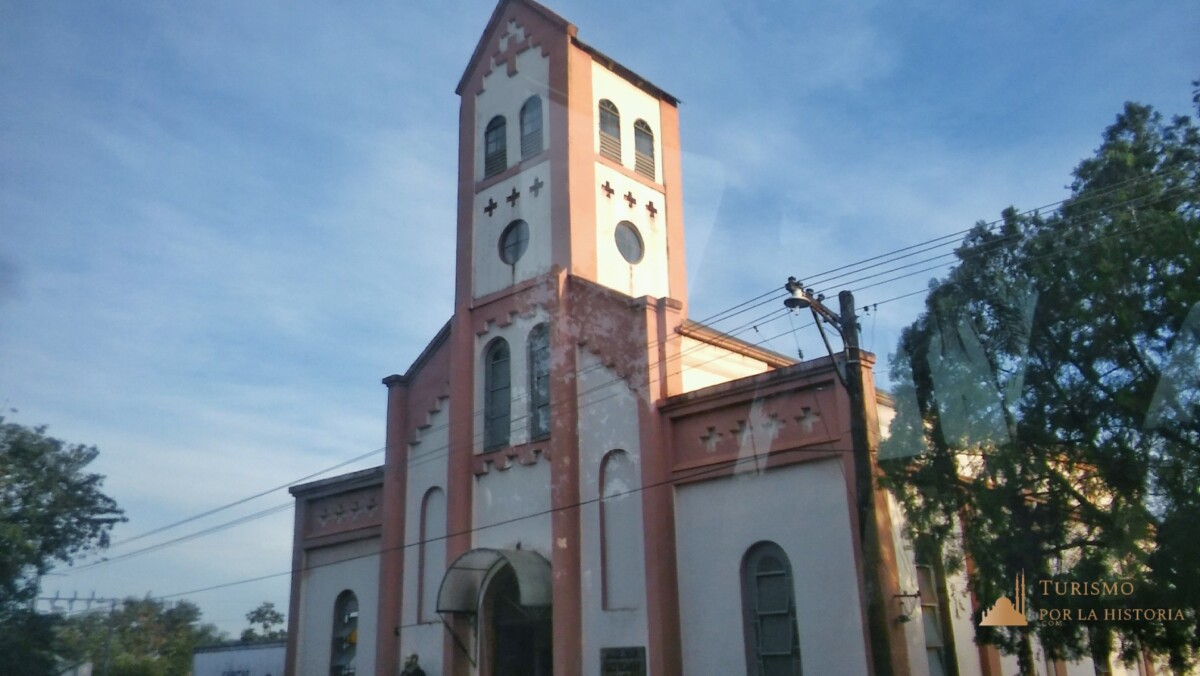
(140, 637)
(51, 511)
(268, 620)
(1050, 398)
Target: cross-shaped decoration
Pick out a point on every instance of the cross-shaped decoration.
(608, 189)
(354, 507)
(323, 515)
(491, 206)
(744, 433)
(807, 418)
(772, 425)
(631, 199)
(537, 186)
(710, 439)
(651, 209)
(510, 46)
(512, 197)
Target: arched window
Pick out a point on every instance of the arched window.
(433, 552)
(531, 127)
(610, 130)
(643, 149)
(620, 531)
(497, 399)
(539, 382)
(495, 153)
(345, 635)
(769, 611)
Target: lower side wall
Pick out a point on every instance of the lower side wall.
(802, 508)
(329, 571)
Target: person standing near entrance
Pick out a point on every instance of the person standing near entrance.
(411, 668)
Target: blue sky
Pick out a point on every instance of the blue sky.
(221, 224)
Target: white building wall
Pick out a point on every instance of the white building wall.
(504, 95)
(705, 364)
(802, 508)
(427, 468)
(512, 507)
(608, 420)
(648, 277)
(633, 104)
(240, 660)
(329, 572)
(517, 336)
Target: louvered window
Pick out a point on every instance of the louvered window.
(643, 149)
(495, 152)
(539, 382)
(531, 127)
(497, 399)
(769, 611)
(610, 131)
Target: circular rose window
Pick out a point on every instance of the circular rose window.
(513, 242)
(629, 242)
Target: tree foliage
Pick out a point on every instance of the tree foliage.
(138, 637)
(269, 622)
(1048, 419)
(52, 510)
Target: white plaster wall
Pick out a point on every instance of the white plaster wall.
(648, 277)
(518, 493)
(332, 570)
(906, 574)
(705, 365)
(517, 335)
(427, 467)
(504, 95)
(252, 660)
(608, 420)
(802, 508)
(633, 104)
(513, 506)
(426, 641)
(490, 273)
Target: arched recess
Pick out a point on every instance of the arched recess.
(620, 532)
(769, 612)
(643, 149)
(432, 552)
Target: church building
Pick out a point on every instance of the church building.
(578, 478)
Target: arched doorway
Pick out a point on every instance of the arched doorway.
(517, 637)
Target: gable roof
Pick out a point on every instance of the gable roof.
(492, 24)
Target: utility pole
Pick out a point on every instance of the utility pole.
(864, 479)
(887, 657)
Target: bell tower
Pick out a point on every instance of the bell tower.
(567, 161)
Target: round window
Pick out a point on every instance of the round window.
(513, 242)
(629, 242)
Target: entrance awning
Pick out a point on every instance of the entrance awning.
(463, 581)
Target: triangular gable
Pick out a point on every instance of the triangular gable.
(498, 46)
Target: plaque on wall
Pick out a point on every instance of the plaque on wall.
(623, 661)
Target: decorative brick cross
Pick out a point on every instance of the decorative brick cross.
(491, 206)
(513, 197)
(512, 47)
(711, 439)
(608, 189)
(651, 209)
(631, 199)
(807, 419)
(537, 186)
